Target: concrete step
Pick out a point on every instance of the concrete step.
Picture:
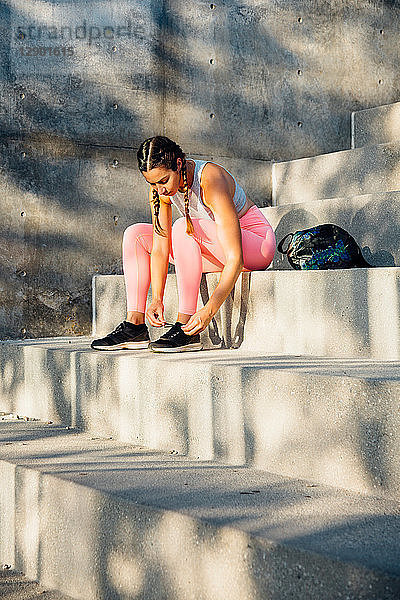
(37, 381)
(338, 313)
(97, 519)
(377, 125)
(367, 170)
(335, 421)
(372, 219)
(14, 586)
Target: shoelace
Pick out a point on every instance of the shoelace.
(173, 332)
(119, 328)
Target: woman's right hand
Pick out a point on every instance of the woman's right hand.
(155, 313)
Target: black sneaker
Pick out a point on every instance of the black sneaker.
(126, 336)
(176, 340)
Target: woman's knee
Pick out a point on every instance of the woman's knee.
(132, 232)
(179, 228)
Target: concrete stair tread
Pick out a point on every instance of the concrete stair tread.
(317, 365)
(340, 312)
(338, 153)
(372, 219)
(337, 524)
(51, 342)
(332, 420)
(316, 201)
(14, 586)
(356, 171)
(375, 125)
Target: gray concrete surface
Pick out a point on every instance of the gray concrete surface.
(377, 125)
(323, 421)
(338, 313)
(335, 421)
(372, 219)
(97, 81)
(14, 586)
(164, 526)
(65, 208)
(242, 84)
(366, 170)
(273, 66)
(59, 187)
(38, 383)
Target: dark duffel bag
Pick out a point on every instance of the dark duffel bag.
(322, 247)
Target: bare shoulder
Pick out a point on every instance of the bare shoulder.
(215, 178)
(213, 173)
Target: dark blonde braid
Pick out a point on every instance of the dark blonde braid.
(161, 151)
(156, 198)
(156, 207)
(189, 222)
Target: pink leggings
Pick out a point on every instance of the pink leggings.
(192, 256)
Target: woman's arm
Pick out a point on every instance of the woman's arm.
(159, 262)
(218, 192)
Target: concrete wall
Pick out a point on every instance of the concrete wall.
(70, 124)
(64, 208)
(243, 82)
(285, 76)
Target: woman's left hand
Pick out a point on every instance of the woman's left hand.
(197, 322)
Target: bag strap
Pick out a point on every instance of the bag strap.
(280, 245)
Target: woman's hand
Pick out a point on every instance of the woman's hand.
(155, 313)
(198, 322)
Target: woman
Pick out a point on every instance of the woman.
(221, 230)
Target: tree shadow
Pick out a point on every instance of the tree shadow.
(267, 76)
(132, 525)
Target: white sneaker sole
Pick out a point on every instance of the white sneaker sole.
(124, 346)
(188, 348)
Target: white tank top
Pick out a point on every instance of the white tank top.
(197, 208)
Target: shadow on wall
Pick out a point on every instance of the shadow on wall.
(65, 199)
(277, 81)
(246, 82)
(257, 70)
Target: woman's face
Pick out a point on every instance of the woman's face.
(165, 181)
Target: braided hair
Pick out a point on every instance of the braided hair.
(161, 151)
